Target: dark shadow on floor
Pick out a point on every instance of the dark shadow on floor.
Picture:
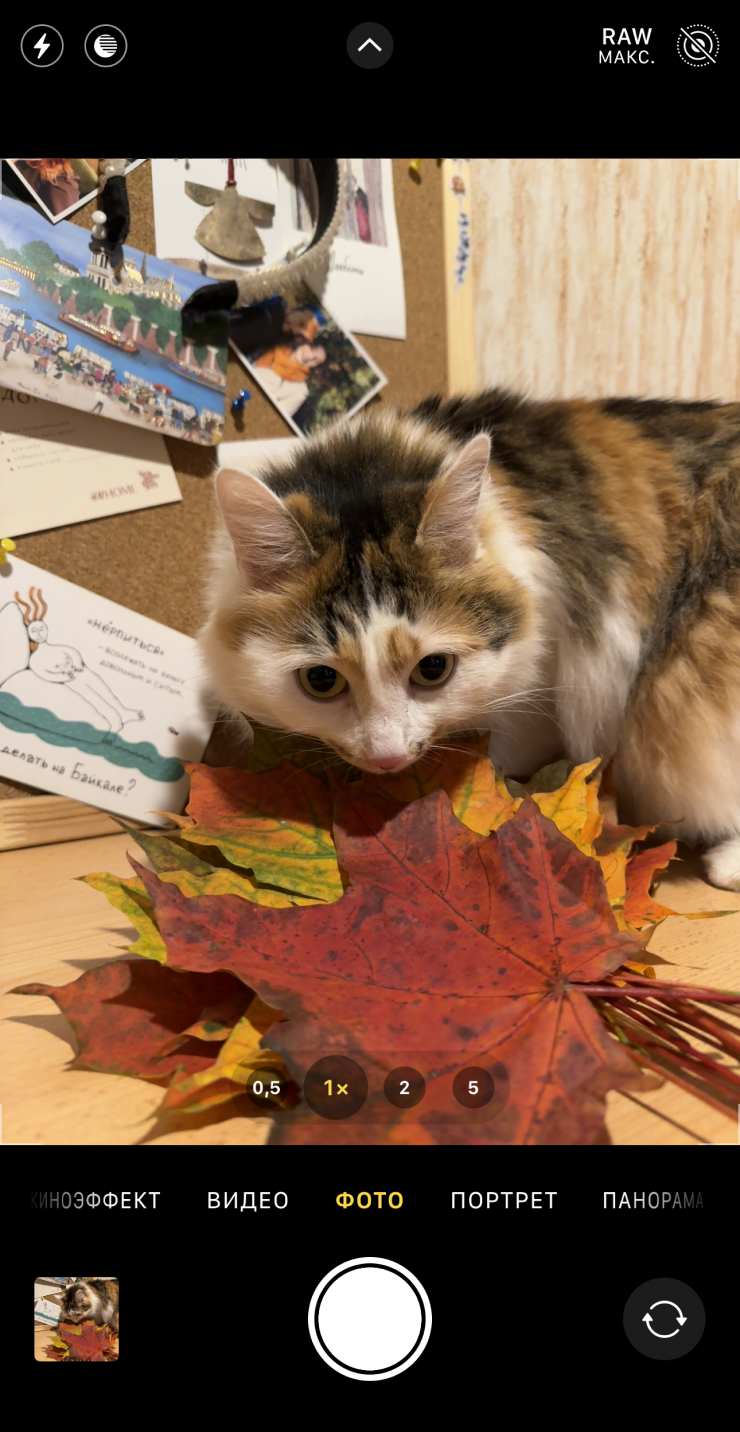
(53, 1023)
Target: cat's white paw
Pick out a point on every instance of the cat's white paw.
(723, 864)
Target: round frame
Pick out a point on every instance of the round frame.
(343, 1368)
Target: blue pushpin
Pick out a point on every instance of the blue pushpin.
(237, 404)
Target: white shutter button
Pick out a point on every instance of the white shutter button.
(369, 1319)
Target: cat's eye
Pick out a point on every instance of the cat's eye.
(433, 670)
(322, 681)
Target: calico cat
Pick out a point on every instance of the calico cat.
(563, 574)
(95, 1298)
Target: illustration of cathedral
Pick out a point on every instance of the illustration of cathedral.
(133, 280)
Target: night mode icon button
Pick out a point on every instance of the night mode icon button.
(369, 1319)
(105, 46)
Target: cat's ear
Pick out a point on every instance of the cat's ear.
(448, 524)
(268, 542)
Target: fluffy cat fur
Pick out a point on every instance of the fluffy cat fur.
(580, 561)
(95, 1298)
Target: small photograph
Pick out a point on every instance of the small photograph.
(310, 368)
(364, 217)
(364, 220)
(75, 1319)
(362, 278)
(60, 186)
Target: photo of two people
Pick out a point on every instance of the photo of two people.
(310, 368)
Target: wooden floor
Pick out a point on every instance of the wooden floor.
(54, 928)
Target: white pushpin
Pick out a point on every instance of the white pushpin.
(109, 167)
(99, 219)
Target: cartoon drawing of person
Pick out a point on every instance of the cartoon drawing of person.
(63, 667)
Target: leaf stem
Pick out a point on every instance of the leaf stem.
(708, 1072)
(673, 1072)
(681, 1046)
(715, 1031)
(657, 987)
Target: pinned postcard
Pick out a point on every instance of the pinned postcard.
(307, 365)
(191, 200)
(96, 702)
(110, 342)
(55, 470)
(362, 279)
(59, 186)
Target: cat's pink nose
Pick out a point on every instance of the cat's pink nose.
(388, 763)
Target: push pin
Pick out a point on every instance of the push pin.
(6, 546)
(237, 404)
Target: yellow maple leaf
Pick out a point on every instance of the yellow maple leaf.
(130, 897)
(239, 1056)
(574, 807)
(276, 825)
(479, 796)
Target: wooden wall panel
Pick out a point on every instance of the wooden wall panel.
(608, 276)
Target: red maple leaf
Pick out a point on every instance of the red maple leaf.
(463, 949)
(86, 1342)
(639, 905)
(124, 1015)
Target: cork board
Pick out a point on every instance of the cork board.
(152, 561)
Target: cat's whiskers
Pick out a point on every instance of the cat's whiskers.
(500, 702)
(325, 760)
(287, 735)
(429, 759)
